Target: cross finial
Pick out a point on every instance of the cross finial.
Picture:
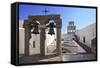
(45, 11)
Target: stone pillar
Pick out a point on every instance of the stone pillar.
(58, 41)
(42, 38)
(58, 29)
(42, 41)
(27, 37)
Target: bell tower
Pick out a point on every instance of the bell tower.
(71, 29)
(43, 20)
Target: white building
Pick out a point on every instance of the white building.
(21, 40)
(21, 37)
(87, 34)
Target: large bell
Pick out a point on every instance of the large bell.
(36, 30)
(51, 28)
(51, 31)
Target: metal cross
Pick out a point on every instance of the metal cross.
(45, 11)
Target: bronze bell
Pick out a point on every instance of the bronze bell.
(36, 30)
(51, 31)
(51, 28)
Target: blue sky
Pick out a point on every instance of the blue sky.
(82, 17)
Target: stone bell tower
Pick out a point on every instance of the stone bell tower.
(43, 19)
(71, 29)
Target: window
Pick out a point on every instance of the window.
(84, 39)
(33, 44)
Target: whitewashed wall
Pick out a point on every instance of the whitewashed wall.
(89, 32)
(50, 41)
(21, 23)
(36, 50)
(21, 41)
(21, 37)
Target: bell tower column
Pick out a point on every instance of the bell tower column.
(42, 38)
(58, 30)
(42, 41)
(27, 37)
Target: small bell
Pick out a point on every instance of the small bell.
(51, 31)
(36, 30)
(51, 28)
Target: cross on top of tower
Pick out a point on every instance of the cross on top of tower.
(45, 11)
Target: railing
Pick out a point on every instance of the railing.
(87, 48)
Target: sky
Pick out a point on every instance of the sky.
(82, 17)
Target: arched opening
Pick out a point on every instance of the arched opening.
(50, 41)
(34, 41)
